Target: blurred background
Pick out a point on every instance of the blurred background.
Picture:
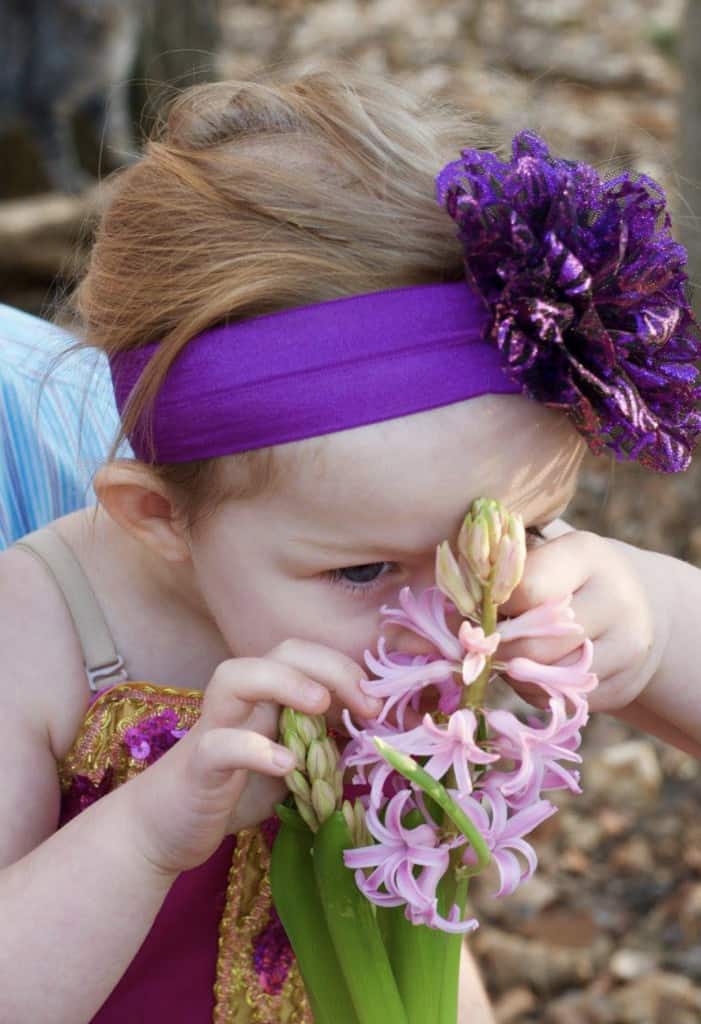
(609, 930)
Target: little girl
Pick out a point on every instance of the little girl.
(315, 392)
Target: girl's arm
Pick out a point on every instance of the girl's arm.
(75, 909)
(669, 706)
(473, 1002)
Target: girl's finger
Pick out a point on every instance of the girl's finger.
(221, 752)
(338, 673)
(240, 682)
(554, 569)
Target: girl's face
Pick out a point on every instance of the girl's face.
(358, 514)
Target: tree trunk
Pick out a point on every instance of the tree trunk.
(179, 44)
(179, 48)
(45, 236)
(689, 217)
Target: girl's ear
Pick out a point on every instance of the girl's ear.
(140, 503)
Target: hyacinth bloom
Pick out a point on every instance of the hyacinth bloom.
(395, 856)
(552, 618)
(449, 746)
(490, 764)
(536, 750)
(426, 616)
(504, 834)
(478, 647)
(402, 678)
(571, 681)
(397, 851)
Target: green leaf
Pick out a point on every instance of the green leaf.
(417, 955)
(354, 929)
(296, 899)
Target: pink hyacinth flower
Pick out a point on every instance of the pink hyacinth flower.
(536, 750)
(401, 677)
(552, 618)
(395, 854)
(504, 834)
(568, 679)
(430, 916)
(450, 746)
(425, 616)
(362, 754)
(478, 646)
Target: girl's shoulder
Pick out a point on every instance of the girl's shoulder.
(42, 675)
(43, 660)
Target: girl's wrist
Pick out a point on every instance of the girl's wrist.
(667, 703)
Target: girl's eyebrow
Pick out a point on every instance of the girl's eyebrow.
(372, 547)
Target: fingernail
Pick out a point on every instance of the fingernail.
(313, 692)
(373, 705)
(283, 758)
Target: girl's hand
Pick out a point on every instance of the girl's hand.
(226, 773)
(613, 587)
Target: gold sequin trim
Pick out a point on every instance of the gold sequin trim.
(100, 744)
(239, 998)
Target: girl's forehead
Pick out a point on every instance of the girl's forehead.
(429, 467)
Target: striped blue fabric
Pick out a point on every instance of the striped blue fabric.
(52, 438)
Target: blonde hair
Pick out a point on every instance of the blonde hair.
(257, 196)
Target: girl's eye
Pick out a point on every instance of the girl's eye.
(360, 577)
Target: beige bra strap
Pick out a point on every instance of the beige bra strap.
(102, 663)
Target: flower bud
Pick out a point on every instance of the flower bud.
(474, 586)
(298, 786)
(318, 765)
(450, 580)
(287, 722)
(362, 832)
(355, 820)
(310, 727)
(496, 518)
(476, 549)
(347, 811)
(510, 562)
(306, 812)
(332, 754)
(293, 743)
(323, 799)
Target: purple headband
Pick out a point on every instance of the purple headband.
(574, 295)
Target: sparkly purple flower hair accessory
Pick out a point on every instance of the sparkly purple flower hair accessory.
(586, 289)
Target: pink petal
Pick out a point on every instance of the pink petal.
(552, 618)
(475, 642)
(425, 616)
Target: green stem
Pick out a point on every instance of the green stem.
(451, 890)
(417, 954)
(296, 899)
(473, 695)
(354, 930)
